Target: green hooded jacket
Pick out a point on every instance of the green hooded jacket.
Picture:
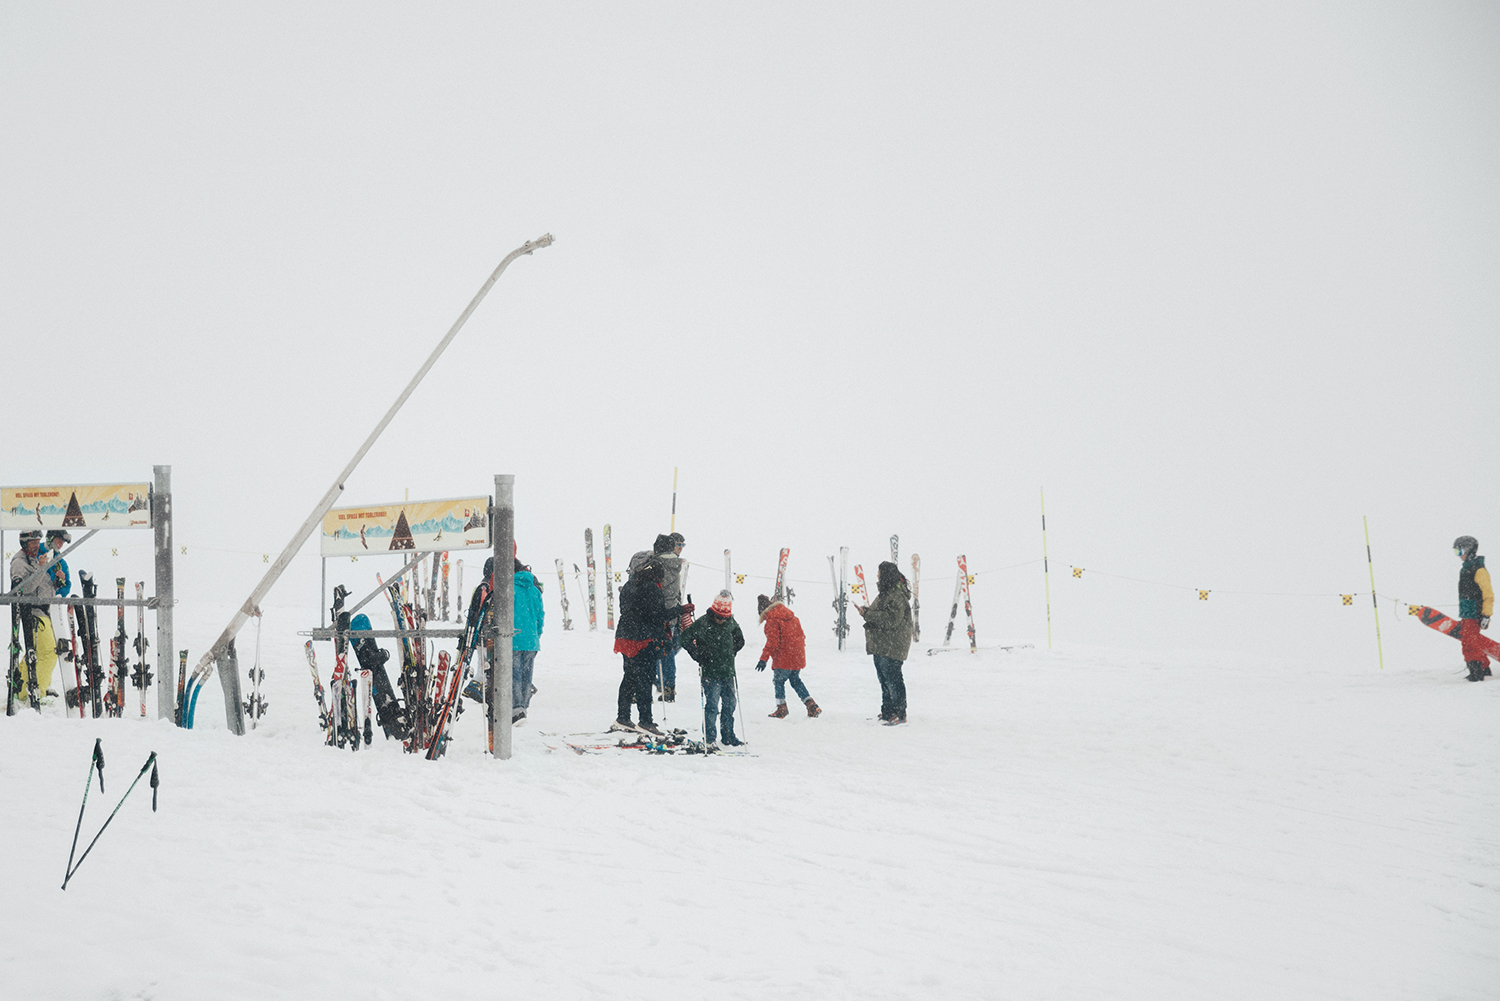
(713, 642)
(888, 624)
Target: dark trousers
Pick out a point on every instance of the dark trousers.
(892, 686)
(635, 686)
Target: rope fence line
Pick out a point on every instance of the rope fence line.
(1347, 597)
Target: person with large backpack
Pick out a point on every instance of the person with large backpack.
(640, 636)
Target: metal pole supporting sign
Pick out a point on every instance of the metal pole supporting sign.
(252, 603)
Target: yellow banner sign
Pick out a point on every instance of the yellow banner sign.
(89, 505)
(407, 526)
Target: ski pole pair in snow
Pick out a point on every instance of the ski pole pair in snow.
(96, 764)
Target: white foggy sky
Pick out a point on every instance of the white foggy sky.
(1223, 281)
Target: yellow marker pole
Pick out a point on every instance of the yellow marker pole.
(1046, 571)
(674, 500)
(1374, 601)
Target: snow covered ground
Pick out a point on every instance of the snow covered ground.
(1077, 824)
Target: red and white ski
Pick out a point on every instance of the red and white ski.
(963, 577)
(862, 587)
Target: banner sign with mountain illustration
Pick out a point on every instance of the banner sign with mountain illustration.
(408, 526)
(90, 505)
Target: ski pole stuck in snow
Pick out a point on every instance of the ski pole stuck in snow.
(96, 763)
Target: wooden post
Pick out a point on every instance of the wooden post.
(161, 525)
(228, 663)
(503, 589)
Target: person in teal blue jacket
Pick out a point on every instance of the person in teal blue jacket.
(527, 640)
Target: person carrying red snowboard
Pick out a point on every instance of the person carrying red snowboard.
(1476, 601)
(786, 647)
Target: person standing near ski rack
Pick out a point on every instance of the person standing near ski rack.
(713, 641)
(62, 586)
(668, 551)
(36, 622)
(640, 636)
(786, 649)
(527, 640)
(888, 639)
(1476, 602)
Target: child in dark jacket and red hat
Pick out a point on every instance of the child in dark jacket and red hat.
(713, 641)
(786, 649)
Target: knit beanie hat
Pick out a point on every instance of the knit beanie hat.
(662, 545)
(722, 605)
(761, 604)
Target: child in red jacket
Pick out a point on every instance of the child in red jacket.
(787, 646)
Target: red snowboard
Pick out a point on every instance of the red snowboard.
(1434, 619)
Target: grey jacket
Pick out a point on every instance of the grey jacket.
(20, 567)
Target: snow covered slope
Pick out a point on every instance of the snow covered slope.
(1082, 824)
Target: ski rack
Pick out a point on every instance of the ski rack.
(501, 526)
(324, 633)
(161, 603)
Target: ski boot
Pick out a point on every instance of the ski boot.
(1476, 669)
(812, 707)
(730, 740)
(781, 711)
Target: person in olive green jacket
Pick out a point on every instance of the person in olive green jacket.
(888, 639)
(713, 641)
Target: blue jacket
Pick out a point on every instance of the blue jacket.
(61, 579)
(529, 613)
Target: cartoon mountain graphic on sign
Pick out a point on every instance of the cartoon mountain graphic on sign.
(402, 538)
(74, 516)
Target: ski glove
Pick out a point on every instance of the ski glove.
(760, 665)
